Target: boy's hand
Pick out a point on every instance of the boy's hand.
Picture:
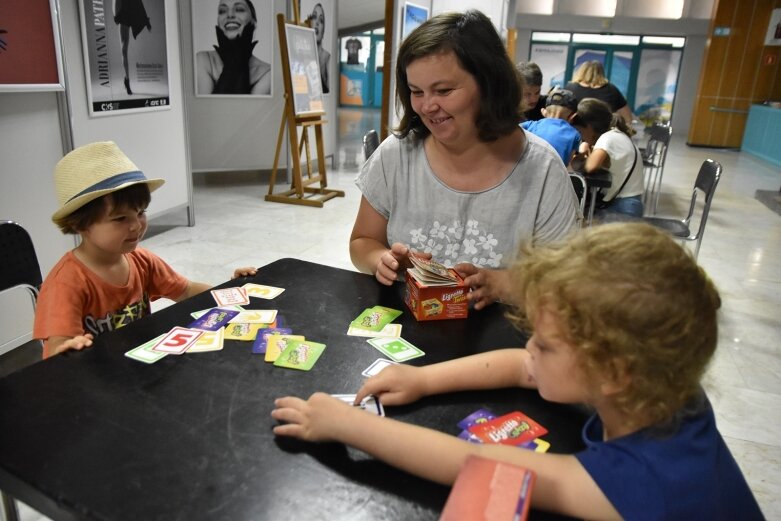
(395, 385)
(60, 344)
(316, 419)
(396, 258)
(487, 286)
(244, 272)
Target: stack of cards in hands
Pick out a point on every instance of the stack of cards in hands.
(515, 428)
(431, 273)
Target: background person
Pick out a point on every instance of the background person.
(533, 102)
(231, 68)
(459, 179)
(555, 128)
(589, 81)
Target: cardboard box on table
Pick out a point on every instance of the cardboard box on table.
(437, 302)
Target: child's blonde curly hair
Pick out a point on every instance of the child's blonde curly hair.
(636, 307)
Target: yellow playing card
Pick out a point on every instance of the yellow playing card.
(277, 343)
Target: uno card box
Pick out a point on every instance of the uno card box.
(437, 302)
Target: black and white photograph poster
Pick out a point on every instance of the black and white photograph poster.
(233, 46)
(125, 50)
(320, 14)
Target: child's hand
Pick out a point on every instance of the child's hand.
(584, 148)
(316, 419)
(394, 385)
(396, 258)
(487, 286)
(57, 345)
(244, 272)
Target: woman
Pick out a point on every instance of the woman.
(317, 21)
(589, 81)
(231, 68)
(459, 180)
(129, 14)
(607, 145)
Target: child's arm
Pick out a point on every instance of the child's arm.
(563, 485)
(55, 345)
(192, 289)
(596, 160)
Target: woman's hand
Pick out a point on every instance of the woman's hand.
(316, 419)
(395, 385)
(487, 286)
(393, 260)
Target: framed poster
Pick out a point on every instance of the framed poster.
(304, 70)
(320, 14)
(30, 54)
(125, 55)
(411, 17)
(233, 48)
(773, 36)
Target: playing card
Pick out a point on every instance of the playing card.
(230, 296)
(393, 330)
(275, 344)
(369, 404)
(255, 316)
(259, 347)
(377, 366)
(396, 349)
(261, 291)
(375, 318)
(479, 416)
(209, 341)
(431, 269)
(537, 445)
(144, 353)
(300, 354)
(511, 429)
(202, 312)
(244, 332)
(177, 341)
(213, 319)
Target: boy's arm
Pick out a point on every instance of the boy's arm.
(192, 289)
(55, 345)
(562, 485)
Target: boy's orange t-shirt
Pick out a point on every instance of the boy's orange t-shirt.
(74, 300)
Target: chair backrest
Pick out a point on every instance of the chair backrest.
(17, 253)
(581, 188)
(706, 182)
(370, 143)
(661, 133)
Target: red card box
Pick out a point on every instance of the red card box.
(437, 302)
(511, 429)
(489, 490)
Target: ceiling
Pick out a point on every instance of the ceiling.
(355, 13)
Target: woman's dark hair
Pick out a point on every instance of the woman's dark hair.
(252, 10)
(473, 39)
(530, 74)
(596, 113)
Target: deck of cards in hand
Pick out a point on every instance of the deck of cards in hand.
(435, 292)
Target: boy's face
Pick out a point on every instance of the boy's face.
(553, 363)
(531, 95)
(119, 230)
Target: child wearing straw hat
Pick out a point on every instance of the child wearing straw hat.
(107, 281)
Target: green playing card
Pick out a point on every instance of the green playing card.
(144, 353)
(375, 318)
(300, 354)
(396, 349)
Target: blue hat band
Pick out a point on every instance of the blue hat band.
(112, 182)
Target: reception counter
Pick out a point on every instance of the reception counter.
(763, 133)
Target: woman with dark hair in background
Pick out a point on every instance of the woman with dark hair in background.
(459, 181)
(129, 14)
(231, 68)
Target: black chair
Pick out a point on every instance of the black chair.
(370, 143)
(707, 179)
(654, 156)
(581, 189)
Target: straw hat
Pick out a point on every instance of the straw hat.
(93, 171)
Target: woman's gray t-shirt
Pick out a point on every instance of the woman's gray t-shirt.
(535, 203)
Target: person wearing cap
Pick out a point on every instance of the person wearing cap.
(107, 281)
(555, 128)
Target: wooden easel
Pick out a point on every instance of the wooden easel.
(301, 190)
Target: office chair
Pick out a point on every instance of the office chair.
(654, 156)
(581, 189)
(707, 179)
(370, 143)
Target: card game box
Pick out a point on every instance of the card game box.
(489, 490)
(437, 302)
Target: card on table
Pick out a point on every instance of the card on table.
(213, 319)
(244, 332)
(300, 354)
(230, 296)
(255, 316)
(275, 344)
(369, 404)
(479, 416)
(144, 353)
(177, 341)
(393, 330)
(202, 312)
(209, 341)
(375, 318)
(261, 291)
(537, 445)
(511, 429)
(377, 366)
(397, 349)
(261, 340)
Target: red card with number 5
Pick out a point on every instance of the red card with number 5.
(177, 341)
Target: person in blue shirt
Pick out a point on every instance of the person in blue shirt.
(560, 108)
(624, 321)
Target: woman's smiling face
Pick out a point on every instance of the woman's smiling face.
(233, 16)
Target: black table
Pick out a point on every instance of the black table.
(96, 435)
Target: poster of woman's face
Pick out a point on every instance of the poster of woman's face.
(233, 47)
(320, 14)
